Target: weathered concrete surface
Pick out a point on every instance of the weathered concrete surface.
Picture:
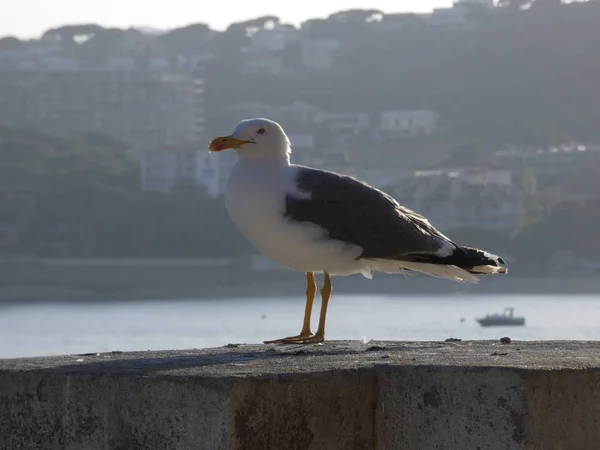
(341, 395)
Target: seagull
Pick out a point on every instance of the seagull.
(318, 221)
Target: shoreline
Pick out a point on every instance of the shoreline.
(198, 289)
(106, 279)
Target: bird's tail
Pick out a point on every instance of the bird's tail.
(461, 265)
(410, 268)
(471, 260)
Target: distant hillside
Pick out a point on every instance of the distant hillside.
(80, 196)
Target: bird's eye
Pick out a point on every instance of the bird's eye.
(261, 131)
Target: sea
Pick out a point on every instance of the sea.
(59, 327)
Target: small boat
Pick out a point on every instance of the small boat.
(500, 320)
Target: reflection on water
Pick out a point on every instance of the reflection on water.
(62, 328)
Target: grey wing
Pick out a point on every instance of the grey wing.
(354, 212)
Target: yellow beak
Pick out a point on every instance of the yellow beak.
(225, 142)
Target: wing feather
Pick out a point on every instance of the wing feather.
(354, 212)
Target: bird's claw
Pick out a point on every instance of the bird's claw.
(300, 339)
(297, 340)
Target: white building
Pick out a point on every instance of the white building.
(464, 198)
(319, 54)
(262, 63)
(139, 42)
(296, 113)
(162, 169)
(330, 159)
(140, 105)
(302, 140)
(487, 177)
(344, 123)
(409, 123)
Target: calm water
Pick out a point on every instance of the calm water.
(62, 328)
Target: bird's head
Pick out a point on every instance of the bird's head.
(255, 139)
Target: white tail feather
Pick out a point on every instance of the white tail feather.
(489, 269)
(434, 270)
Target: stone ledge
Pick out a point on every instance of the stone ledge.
(340, 395)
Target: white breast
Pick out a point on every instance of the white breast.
(255, 200)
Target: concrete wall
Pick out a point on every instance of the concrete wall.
(341, 395)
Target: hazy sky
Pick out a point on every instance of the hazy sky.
(29, 18)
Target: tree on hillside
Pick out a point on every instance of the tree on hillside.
(546, 4)
(11, 43)
(189, 38)
(568, 227)
(343, 24)
(80, 196)
(104, 43)
(259, 22)
(356, 16)
(69, 34)
(232, 41)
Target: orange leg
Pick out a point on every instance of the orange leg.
(320, 336)
(311, 292)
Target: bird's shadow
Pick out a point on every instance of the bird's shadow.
(132, 365)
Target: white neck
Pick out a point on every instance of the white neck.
(266, 156)
(268, 164)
